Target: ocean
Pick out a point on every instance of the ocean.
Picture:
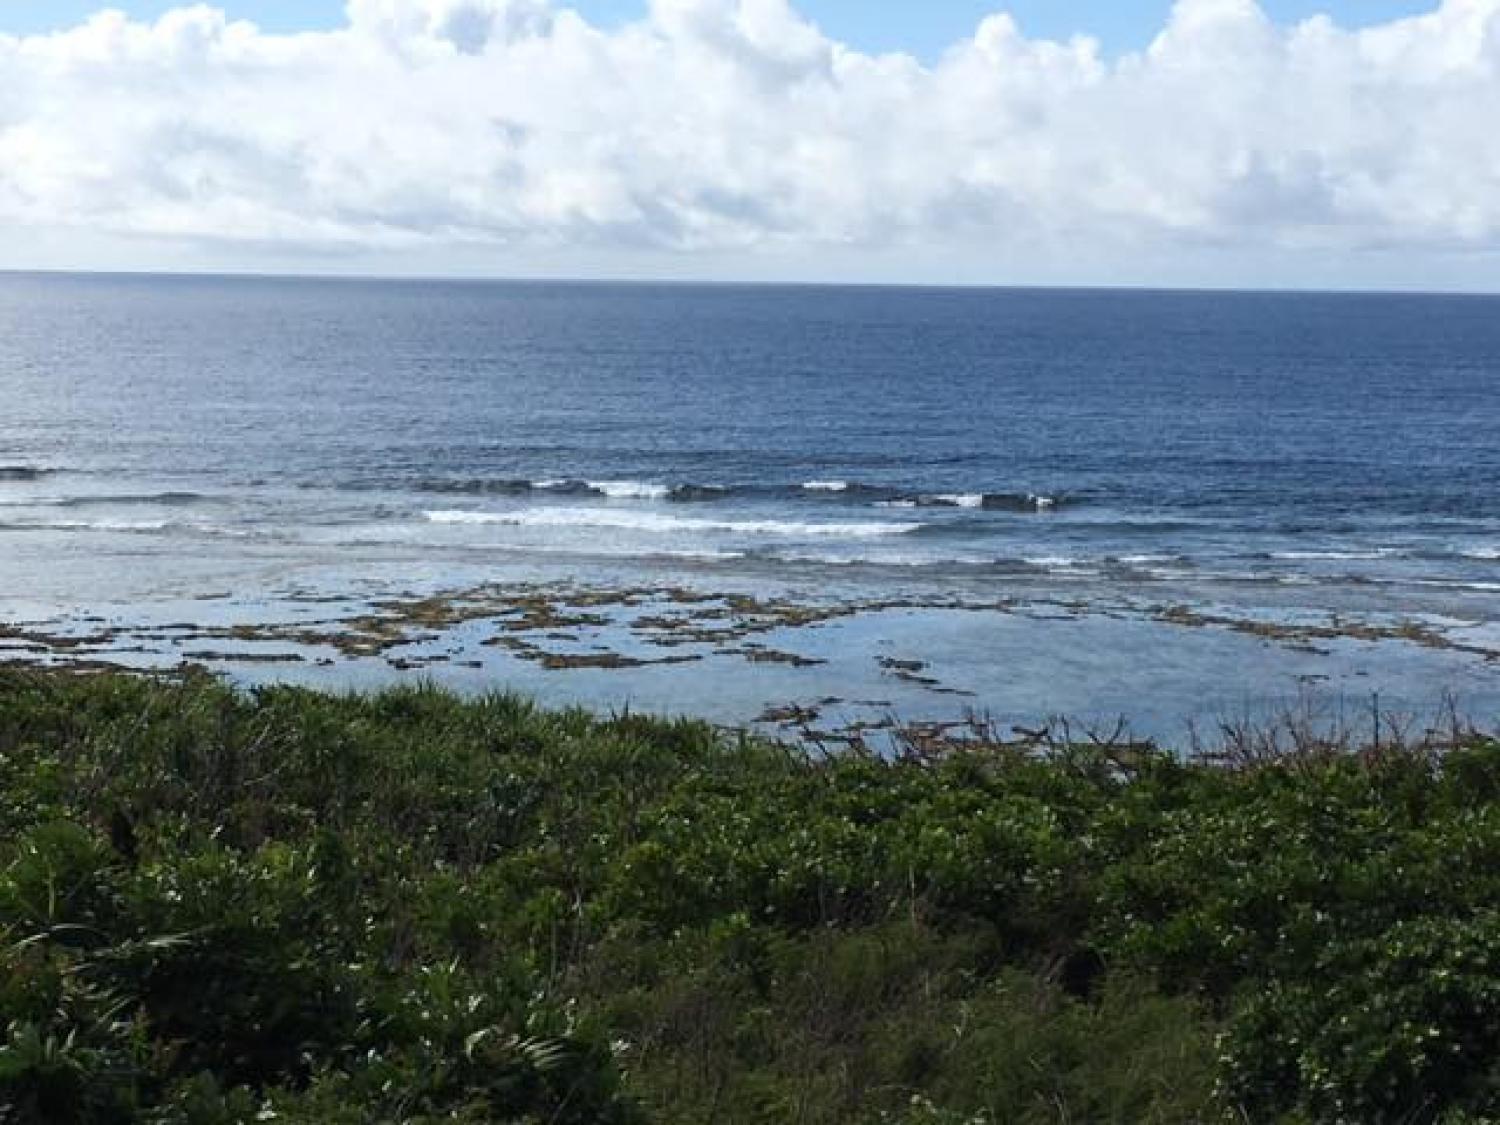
(1301, 475)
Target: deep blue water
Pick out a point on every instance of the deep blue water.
(1111, 439)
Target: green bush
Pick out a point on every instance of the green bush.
(220, 907)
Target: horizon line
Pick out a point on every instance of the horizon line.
(749, 283)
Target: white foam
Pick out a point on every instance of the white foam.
(704, 556)
(663, 524)
(465, 517)
(961, 499)
(896, 504)
(1143, 560)
(1051, 562)
(1043, 502)
(629, 489)
(1335, 556)
(1486, 554)
(819, 559)
(1444, 584)
(876, 558)
(826, 486)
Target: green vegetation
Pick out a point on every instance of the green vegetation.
(286, 906)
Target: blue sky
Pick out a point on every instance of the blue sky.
(925, 27)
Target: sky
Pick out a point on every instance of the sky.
(1290, 143)
(922, 27)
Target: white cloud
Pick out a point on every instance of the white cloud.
(732, 136)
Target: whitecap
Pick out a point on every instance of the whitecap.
(663, 524)
(1309, 556)
(704, 556)
(629, 489)
(961, 499)
(1335, 556)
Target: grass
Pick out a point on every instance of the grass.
(292, 906)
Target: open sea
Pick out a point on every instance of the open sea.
(1246, 454)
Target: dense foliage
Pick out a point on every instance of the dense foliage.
(286, 906)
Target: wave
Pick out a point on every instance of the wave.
(959, 500)
(987, 501)
(629, 490)
(1454, 584)
(1054, 566)
(1484, 554)
(1052, 561)
(844, 490)
(885, 559)
(161, 499)
(689, 493)
(158, 499)
(848, 491)
(1129, 569)
(23, 474)
(663, 524)
(608, 489)
(1370, 555)
(91, 525)
(482, 487)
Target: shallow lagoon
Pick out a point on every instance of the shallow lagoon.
(800, 665)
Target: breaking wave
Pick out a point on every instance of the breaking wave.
(629, 490)
(987, 501)
(1371, 555)
(847, 491)
(658, 523)
(608, 489)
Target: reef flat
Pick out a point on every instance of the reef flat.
(826, 669)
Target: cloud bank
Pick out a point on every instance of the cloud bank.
(716, 136)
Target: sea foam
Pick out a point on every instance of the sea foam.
(658, 523)
(1371, 555)
(992, 501)
(960, 499)
(629, 489)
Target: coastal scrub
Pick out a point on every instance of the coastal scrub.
(219, 906)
